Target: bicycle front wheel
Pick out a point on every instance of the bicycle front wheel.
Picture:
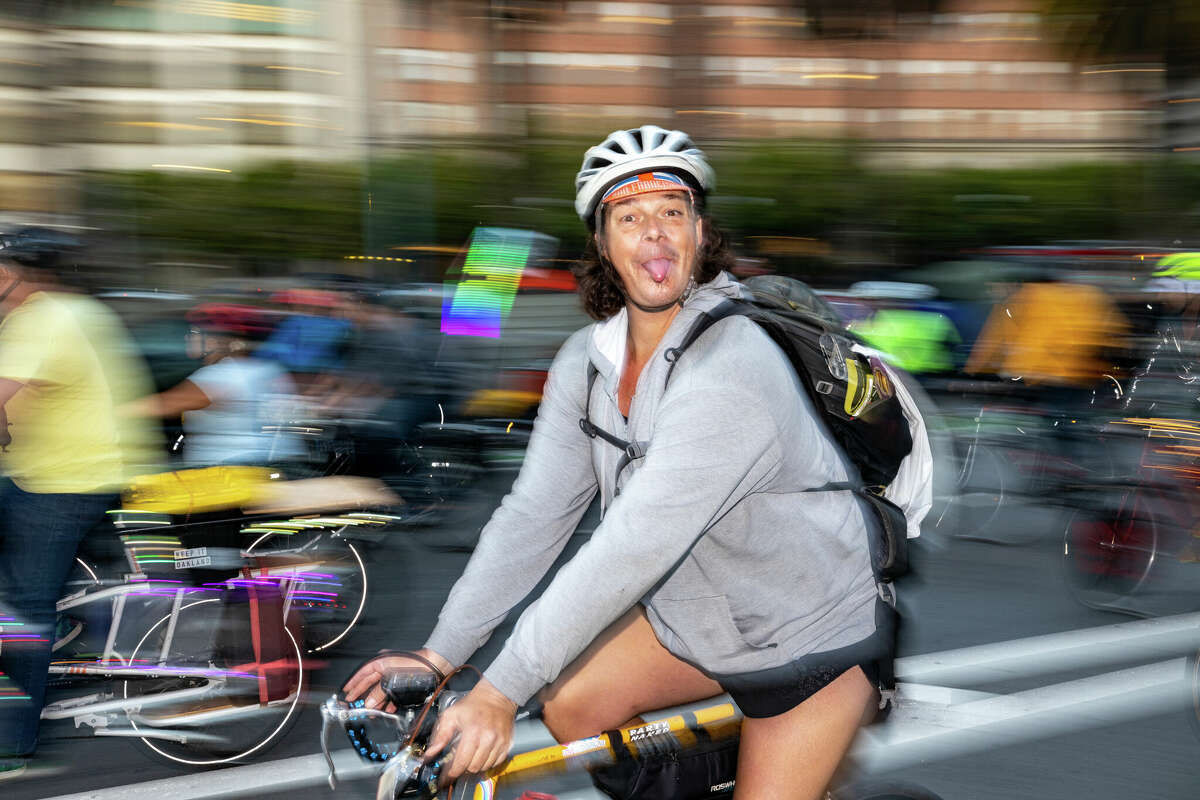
(1109, 554)
(219, 688)
(328, 582)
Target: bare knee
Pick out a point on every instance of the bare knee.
(572, 713)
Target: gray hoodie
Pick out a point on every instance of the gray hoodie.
(738, 568)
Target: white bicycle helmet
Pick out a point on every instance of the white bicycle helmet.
(638, 150)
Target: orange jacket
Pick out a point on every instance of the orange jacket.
(1049, 333)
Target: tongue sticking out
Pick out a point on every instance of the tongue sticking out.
(658, 268)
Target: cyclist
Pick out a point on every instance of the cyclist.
(311, 340)
(712, 568)
(1053, 336)
(64, 368)
(227, 401)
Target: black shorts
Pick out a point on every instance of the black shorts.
(770, 692)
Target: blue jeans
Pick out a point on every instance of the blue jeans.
(39, 534)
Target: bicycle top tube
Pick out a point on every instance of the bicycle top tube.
(674, 733)
(405, 774)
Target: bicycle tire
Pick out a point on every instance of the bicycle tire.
(327, 620)
(1108, 556)
(192, 646)
(82, 576)
(980, 492)
(883, 790)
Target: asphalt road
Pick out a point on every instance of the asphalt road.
(962, 593)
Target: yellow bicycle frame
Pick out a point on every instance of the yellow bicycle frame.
(681, 731)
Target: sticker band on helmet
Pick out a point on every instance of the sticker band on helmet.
(645, 182)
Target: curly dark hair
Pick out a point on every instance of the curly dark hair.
(600, 286)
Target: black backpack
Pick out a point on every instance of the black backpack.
(853, 393)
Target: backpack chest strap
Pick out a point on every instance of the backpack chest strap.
(634, 450)
(631, 451)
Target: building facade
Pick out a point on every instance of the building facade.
(211, 84)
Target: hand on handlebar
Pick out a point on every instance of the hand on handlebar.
(482, 723)
(367, 680)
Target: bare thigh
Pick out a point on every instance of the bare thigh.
(625, 672)
(793, 756)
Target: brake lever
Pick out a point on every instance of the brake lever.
(329, 715)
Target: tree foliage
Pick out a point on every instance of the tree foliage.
(266, 217)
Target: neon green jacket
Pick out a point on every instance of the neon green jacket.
(917, 341)
(1184, 266)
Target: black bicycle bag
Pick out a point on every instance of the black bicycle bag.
(704, 771)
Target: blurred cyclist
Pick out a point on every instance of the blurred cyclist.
(64, 369)
(713, 567)
(382, 385)
(226, 402)
(1175, 285)
(311, 340)
(908, 325)
(1053, 336)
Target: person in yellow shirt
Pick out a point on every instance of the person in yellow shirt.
(1050, 334)
(65, 368)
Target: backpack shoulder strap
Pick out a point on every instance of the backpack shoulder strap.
(635, 450)
(705, 321)
(632, 450)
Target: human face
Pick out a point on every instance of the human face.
(652, 241)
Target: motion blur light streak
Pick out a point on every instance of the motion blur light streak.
(854, 76)
(173, 126)
(1156, 426)
(1130, 69)
(430, 248)
(304, 69)
(9, 691)
(190, 167)
(779, 23)
(244, 11)
(491, 274)
(271, 123)
(639, 20)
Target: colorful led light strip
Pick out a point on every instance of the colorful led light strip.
(491, 273)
